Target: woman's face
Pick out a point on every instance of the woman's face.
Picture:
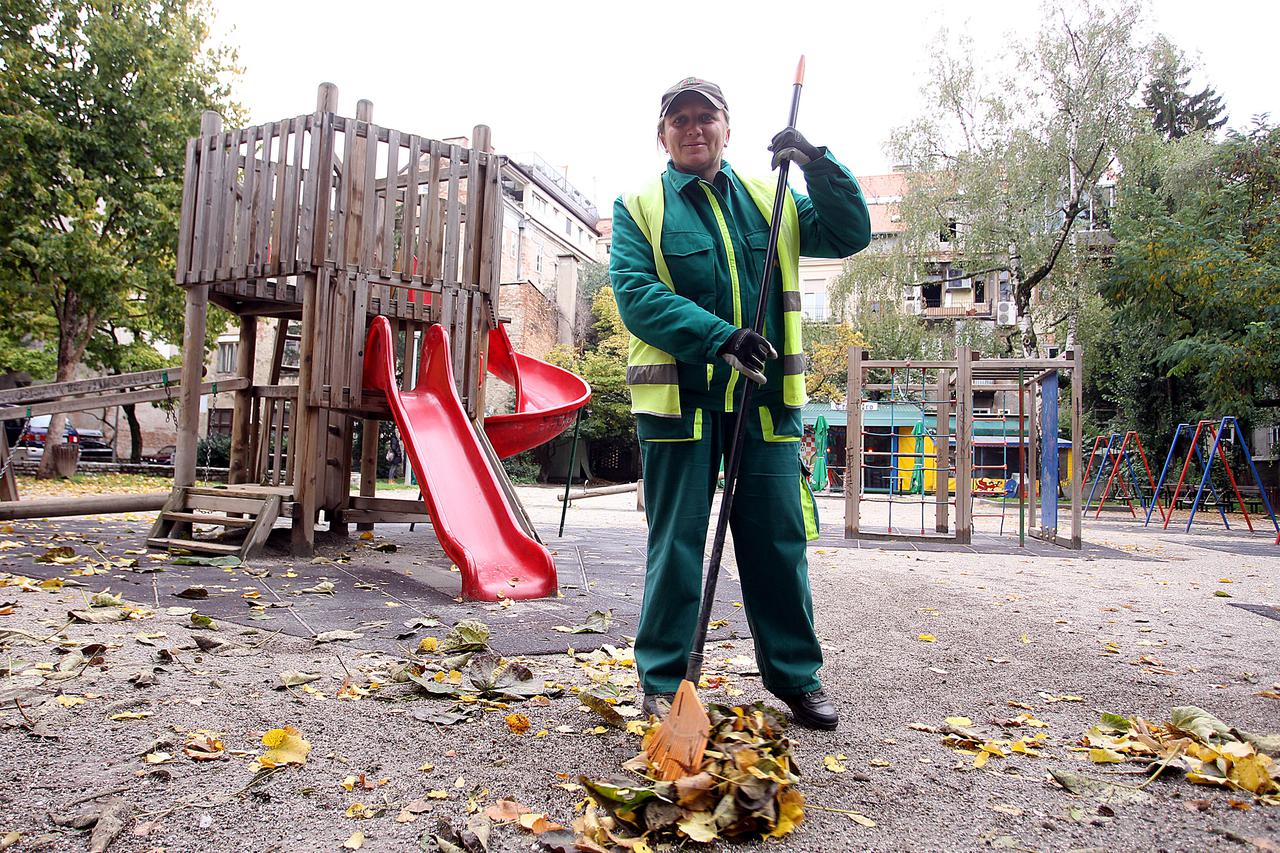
(694, 134)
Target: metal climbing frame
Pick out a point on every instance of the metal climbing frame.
(891, 466)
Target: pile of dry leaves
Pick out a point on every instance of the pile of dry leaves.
(1196, 744)
(746, 787)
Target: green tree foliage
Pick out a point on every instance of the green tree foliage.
(1004, 164)
(1198, 260)
(97, 100)
(605, 369)
(1175, 112)
(826, 349)
(592, 276)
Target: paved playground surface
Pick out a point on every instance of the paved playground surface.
(1136, 623)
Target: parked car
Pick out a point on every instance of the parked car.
(163, 456)
(94, 447)
(29, 443)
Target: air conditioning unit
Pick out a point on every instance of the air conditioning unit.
(1006, 314)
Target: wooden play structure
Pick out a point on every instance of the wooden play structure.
(348, 235)
(929, 468)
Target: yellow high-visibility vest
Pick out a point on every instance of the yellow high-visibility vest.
(652, 376)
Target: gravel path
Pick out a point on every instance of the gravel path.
(1133, 624)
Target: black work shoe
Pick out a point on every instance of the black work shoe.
(656, 704)
(813, 710)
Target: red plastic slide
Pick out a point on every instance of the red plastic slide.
(547, 398)
(477, 527)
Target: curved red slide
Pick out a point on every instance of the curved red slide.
(477, 527)
(547, 398)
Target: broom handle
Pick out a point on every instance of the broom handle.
(694, 671)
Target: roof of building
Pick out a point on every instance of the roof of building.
(882, 193)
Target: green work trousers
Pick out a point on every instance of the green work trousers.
(772, 512)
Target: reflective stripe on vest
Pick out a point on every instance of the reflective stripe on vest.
(652, 376)
(655, 390)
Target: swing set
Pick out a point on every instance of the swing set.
(1120, 451)
(1216, 434)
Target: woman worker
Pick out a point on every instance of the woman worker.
(686, 263)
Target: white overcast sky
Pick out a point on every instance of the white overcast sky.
(579, 82)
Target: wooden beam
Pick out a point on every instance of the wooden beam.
(60, 390)
(246, 357)
(1077, 445)
(853, 444)
(118, 398)
(88, 505)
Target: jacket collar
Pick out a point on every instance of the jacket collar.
(680, 181)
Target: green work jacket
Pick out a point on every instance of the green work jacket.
(694, 318)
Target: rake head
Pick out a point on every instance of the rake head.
(675, 749)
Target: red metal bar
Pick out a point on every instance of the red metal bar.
(1092, 454)
(1181, 477)
(1152, 480)
(1114, 468)
(1232, 478)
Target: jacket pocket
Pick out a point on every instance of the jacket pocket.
(780, 424)
(691, 260)
(688, 427)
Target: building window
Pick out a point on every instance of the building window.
(813, 306)
(227, 357)
(539, 264)
(568, 227)
(219, 422)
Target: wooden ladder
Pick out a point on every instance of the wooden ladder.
(229, 508)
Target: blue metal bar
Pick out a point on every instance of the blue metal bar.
(1204, 478)
(1257, 480)
(1167, 459)
(1049, 458)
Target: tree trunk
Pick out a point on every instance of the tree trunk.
(1022, 301)
(74, 328)
(135, 432)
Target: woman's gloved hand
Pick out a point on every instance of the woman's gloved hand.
(746, 352)
(790, 144)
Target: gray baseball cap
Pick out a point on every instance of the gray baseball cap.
(708, 90)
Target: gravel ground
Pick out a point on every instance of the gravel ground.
(1009, 625)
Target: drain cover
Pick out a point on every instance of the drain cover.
(1261, 609)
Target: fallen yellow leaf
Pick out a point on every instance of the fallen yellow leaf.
(69, 701)
(356, 841)
(284, 746)
(517, 723)
(926, 638)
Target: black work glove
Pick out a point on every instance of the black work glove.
(791, 145)
(746, 352)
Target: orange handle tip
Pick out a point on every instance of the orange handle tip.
(800, 71)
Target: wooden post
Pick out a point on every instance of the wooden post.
(964, 444)
(197, 312)
(246, 357)
(1077, 404)
(853, 444)
(307, 434)
(8, 483)
(942, 454)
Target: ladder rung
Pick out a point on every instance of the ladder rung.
(209, 518)
(194, 545)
